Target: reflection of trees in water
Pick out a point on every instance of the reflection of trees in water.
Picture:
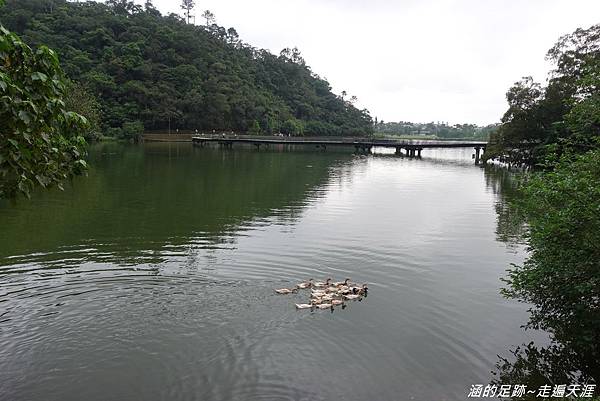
(533, 366)
(559, 278)
(142, 202)
(511, 227)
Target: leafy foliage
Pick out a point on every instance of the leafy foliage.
(40, 142)
(542, 123)
(157, 69)
(79, 99)
(536, 367)
(558, 128)
(561, 277)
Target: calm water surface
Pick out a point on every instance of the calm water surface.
(153, 277)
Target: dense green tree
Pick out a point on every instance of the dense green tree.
(40, 142)
(255, 129)
(557, 127)
(292, 127)
(561, 277)
(80, 100)
(542, 123)
(165, 73)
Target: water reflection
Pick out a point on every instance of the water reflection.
(568, 355)
(139, 204)
(511, 228)
(153, 278)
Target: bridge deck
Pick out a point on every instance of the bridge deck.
(343, 142)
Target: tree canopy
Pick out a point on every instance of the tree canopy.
(561, 277)
(557, 129)
(159, 71)
(564, 116)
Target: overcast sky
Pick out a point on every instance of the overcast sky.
(411, 60)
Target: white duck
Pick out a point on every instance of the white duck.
(341, 283)
(284, 291)
(321, 284)
(306, 284)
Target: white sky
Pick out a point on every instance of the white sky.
(411, 60)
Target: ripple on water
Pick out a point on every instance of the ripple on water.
(165, 313)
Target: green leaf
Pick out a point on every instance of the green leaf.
(41, 180)
(25, 117)
(42, 143)
(39, 76)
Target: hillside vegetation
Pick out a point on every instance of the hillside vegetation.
(150, 71)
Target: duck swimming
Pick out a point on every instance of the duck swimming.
(359, 290)
(320, 284)
(284, 291)
(306, 284)
(341, 283)
(327, 294)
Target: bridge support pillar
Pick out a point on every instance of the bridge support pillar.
(477, 154)
(419, 152)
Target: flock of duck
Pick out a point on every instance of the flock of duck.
(327, 294)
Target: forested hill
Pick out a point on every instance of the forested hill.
(149, 68)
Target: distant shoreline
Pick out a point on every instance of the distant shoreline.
(187, 137)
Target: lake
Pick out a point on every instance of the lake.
(152, 278)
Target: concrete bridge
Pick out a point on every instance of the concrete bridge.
(365, 145)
